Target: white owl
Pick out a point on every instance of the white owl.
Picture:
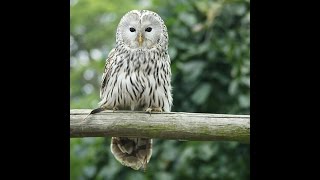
(137, 76)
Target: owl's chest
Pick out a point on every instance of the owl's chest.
(137, 81)
(135, 77)
(131, 78)
(135, 68)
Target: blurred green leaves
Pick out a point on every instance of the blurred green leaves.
(209, 46)
(201, 94)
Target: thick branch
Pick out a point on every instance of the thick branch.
(173, 125)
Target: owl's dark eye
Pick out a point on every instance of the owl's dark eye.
(132, 29)
(148, 29)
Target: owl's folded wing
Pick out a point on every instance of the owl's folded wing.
(107, 72)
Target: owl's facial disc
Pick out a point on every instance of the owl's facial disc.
(140, 30)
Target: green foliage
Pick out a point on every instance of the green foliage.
(209, 49)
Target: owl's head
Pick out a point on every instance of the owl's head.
(142, 29)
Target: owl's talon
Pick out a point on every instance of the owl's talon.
(157, 109)
(149, 110)
(115, 109)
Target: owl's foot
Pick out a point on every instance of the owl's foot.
(158, 109)
(115, 109)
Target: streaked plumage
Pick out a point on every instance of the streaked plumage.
(137, 76)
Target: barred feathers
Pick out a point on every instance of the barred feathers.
(132, 152)
(137, 79)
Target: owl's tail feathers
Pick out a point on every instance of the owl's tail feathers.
(132, 152)
(94, 111)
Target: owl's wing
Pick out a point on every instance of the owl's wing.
(107, 72)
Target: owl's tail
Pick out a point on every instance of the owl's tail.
(132, 152)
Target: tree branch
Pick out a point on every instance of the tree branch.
(173, 125)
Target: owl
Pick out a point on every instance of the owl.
(137, 77)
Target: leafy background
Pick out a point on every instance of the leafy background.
(209, 45)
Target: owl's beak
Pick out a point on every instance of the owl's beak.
(140, 39)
